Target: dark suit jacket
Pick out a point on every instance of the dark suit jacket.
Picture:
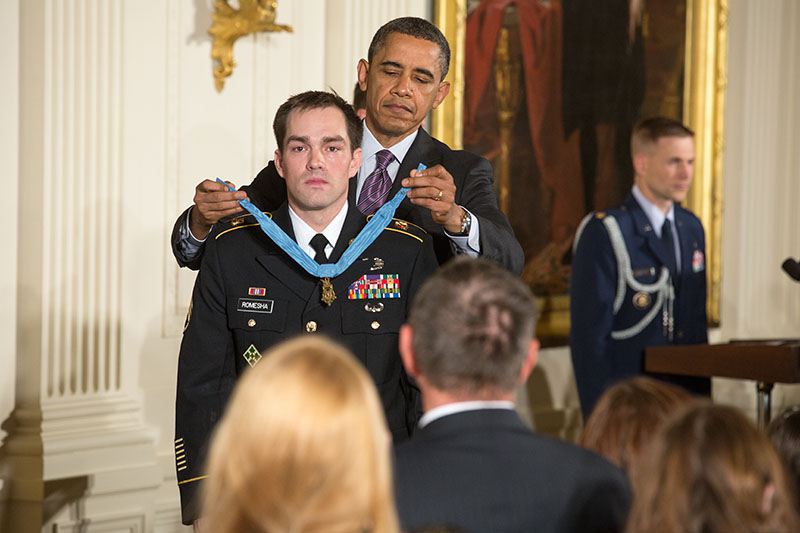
(485, 471)
(600, 360)
(473, 178)
(250, 295)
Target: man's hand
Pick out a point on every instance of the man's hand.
(212, 201)
(434, 189)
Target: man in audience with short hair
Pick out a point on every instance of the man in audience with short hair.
(473, 463)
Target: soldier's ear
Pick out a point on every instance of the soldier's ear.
(278, 163)
(529, 362)
(640, 162)
(355, 163)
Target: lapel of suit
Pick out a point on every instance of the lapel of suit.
(644, 229)
(284, 268)
(687, 243)
(352, 189)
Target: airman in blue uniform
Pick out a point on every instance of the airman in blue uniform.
(638, 271)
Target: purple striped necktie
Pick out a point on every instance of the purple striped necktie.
(376, 186)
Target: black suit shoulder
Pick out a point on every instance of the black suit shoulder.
(462, 156)
(487, 471)
(268, 189)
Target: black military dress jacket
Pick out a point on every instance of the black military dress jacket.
(250, 295)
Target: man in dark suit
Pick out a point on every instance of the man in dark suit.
(453, 199)
(638, 271)
(251, 292)
(473, 463)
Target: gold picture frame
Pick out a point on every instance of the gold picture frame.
(705, 64)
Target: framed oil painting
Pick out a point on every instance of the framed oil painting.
(549, 91)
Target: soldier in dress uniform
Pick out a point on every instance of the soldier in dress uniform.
(252, 293)
(638, 271)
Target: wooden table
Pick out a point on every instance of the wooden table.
(767, 361)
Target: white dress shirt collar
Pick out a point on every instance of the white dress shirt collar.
(303, 233)
(460, 407)
(653, 213)
(370, 146)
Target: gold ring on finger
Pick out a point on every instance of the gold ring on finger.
(438, 197)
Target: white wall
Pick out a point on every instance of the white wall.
(762, 184)
(9, 169)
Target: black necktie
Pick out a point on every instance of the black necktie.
(669, 248)
(318, 243)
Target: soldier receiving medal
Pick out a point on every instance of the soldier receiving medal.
(252, 293)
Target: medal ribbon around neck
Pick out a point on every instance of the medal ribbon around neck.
(367, 236)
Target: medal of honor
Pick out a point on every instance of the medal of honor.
(328, 296)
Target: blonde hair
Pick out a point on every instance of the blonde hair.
(710, 470)
(627, 416)
(303, 447)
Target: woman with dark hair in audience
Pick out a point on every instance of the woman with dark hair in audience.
(303, 448)
(627, 416)
(784, 432)
(710, 470)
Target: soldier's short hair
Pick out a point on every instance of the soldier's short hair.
(472, 324)
(317, 100)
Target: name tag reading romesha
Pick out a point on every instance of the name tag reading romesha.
(254, 306)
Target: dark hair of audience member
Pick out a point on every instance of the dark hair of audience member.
(784, 432)
(627, 416)
(303, 448)
(476, 344)
(710, 470)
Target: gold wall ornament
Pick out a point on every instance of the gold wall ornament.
(229, 24)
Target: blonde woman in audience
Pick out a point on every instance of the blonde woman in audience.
(627, 416)
(710, 470)
(303, 448)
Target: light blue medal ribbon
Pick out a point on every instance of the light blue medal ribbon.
(367, 236)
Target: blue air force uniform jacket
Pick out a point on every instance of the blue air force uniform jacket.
(617, 310)
(250, 295)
